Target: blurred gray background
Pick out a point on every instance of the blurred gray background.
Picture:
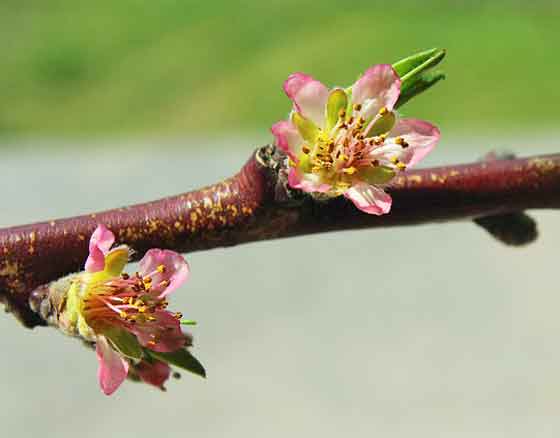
(428, 331)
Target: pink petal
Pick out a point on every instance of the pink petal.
(99, 244)
(163, 335)
(176, 270)
(380, 86)
(370, 199)
(421, 137)
(113, 369)
(155, 373)
(287, 137)
(297, 180)
(309, 96)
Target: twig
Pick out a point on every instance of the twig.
(256, 205)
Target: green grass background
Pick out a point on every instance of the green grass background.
(171, 67)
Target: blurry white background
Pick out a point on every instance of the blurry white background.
(429, 331)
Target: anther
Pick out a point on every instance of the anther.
(357, 106)
(383, 111)
(125, 276)
(305, 150)
(178, 315)
(342, 113)
(349, 170)
(161, 269)
(401, 141)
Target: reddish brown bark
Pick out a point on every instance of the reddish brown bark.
(255, 205)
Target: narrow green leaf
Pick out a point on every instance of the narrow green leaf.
(408, 64)
(410, 76)
(181, 358)
(422, 83)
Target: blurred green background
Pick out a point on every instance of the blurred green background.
(168, 67)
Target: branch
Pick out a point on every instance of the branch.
(256, 204)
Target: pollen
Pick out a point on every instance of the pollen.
(350, 170)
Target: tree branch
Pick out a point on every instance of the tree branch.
(256, 204)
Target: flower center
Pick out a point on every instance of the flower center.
(125, 299)
(338, 155)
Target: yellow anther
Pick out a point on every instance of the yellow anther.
(342, 113)
(401, 165)
(394, 160)
(305, 150)
(357, 106)
(350, 170)
(165, 283)
(151, 318)
(161, 269)
(291, 162)
(178, 315)
(147, 279)
(383, 111)
(142, 309)
(123, 315)
(400, 141)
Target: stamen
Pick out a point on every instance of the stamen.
(305, 150)
(161, 269)
(357, 106)
(383, 111)
(350, 170)
(401, 141)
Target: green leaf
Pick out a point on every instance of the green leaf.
(421, 84)
(124, 342)
(415, 75)
(182, 359)
(410, 77)
(406, 65)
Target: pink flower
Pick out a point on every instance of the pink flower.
(350, 141)
(126, 315)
